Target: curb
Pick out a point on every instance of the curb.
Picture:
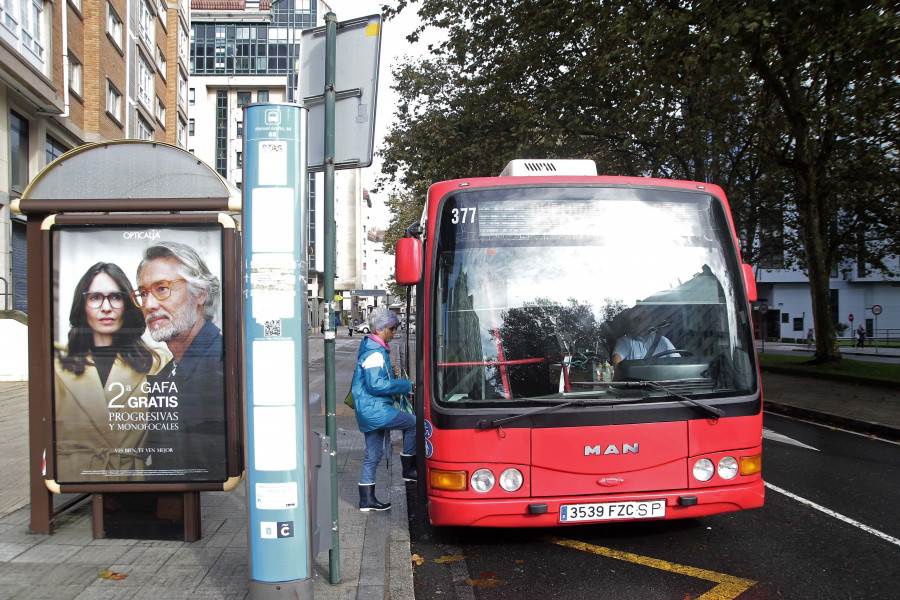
(858, 425)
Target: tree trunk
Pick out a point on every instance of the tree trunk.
(813, 231)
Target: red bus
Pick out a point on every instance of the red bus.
(584, 350)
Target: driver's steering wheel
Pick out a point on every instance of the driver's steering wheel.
(680, 351)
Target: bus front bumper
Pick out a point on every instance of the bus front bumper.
(545, 512)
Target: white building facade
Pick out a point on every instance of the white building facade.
(861, 293)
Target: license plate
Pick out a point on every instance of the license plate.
(605, 511)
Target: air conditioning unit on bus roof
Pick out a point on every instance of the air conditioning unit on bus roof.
(552, 166)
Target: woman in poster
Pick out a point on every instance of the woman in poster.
(99, 375)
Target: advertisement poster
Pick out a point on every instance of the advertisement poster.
(139, 382)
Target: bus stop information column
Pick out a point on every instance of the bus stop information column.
(275, 327)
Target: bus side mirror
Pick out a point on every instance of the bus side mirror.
(408, 261)
(749, 282)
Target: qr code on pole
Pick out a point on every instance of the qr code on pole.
(272, 328)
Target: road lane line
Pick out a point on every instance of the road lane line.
(836, 515)
(728, 588)
(768, 434)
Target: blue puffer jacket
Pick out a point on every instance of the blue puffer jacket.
(374, 385)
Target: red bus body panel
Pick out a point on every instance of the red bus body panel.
(554, 459)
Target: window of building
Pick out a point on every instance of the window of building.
(785, 318)
(191, 96)
(239, 157)
(113, 101)
(55, 149)
(190, 127)
(146, 82)
(182, 90)
(145, 132)
(32, 17)
(181, 133)
(243, 98)
(160, 111)
(76, 75)
(146, 23)
(798, 324)
(76, 4)
(113, 25)
(18, 152)
(222, 133)
(262, 96)
(240, 129)
(161, 62)
(184, 45)
(10, 16)
(250, 48)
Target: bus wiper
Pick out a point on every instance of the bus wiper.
(718, 412)
(485, 424)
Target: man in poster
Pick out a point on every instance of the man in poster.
(179, 297)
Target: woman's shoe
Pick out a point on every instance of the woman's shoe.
(409, 466)
(367, 499)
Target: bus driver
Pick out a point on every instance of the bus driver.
(642, 340)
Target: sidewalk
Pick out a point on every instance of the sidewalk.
(374, 546)
(871, 410)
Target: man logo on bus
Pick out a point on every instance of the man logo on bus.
(599, 450)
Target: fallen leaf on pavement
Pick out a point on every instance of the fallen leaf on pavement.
(417, 559)
(484, 584)
(449, 558)
(112, 575)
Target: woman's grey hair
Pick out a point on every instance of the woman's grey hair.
(193, 269)
(381, 317)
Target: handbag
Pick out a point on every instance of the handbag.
(349, 400)
(402, 403)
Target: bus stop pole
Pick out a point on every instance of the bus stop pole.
(334, 564)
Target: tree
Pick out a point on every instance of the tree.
(790, 106)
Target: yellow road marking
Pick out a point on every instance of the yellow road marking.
(728, 588)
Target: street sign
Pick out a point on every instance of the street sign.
(358, 49)
(851, 317)
(876, 309)
(763, 309)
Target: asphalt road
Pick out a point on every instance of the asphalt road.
(828, 530)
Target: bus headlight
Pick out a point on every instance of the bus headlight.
(511, 480)
(704, 469)
(482, 480)
(728, 467)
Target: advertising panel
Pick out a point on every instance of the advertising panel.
(139, 384)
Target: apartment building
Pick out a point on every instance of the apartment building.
(81, 71)
(244, 52)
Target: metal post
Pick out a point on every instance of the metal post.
(334, 564)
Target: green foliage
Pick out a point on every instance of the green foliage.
(790, 106)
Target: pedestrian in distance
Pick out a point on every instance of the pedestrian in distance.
(861, 337)
(810, 338)
(375, 388)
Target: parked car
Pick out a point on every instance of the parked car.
(362, 327)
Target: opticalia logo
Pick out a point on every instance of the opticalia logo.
(150, 234)
(600, 449)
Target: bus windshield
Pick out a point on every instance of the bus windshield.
(540, 290)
